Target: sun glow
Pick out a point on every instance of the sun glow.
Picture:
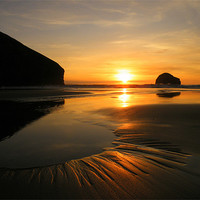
(124, 76)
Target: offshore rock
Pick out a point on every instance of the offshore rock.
(167, 79)
(22, 66)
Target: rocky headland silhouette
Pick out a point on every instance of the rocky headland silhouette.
(22, 66)
(167, 79)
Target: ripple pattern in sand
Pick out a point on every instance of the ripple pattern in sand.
(135, 168)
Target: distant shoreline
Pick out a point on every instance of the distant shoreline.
(131, 86)
(97, 86)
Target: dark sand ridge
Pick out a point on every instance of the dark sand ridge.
(10, 94)
(154, 158)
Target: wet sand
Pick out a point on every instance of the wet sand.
(39, 93)
(156, 156)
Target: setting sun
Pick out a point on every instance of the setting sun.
(124, 76)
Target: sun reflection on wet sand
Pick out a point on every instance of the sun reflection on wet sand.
(124, 98)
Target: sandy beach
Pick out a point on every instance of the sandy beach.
(154, 155)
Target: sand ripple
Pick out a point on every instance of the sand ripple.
(138, 166)
(123, 172)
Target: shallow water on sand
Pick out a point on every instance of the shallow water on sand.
(49, 135)
(107, 137)
(56, 130)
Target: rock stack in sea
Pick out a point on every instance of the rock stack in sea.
(167, 79)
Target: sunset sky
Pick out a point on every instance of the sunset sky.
(94, 39)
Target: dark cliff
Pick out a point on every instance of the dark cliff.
(22, 66)
(167, 79)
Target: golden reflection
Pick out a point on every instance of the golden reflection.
(124, 98)
(126, 126)
(124, 90)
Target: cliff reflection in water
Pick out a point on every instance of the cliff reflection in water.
(66, 134)
(168, 94)
(16, 115)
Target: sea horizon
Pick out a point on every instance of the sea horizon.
(97, 85)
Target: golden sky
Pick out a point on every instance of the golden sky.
(94, 39)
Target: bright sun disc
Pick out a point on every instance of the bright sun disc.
(124, 76)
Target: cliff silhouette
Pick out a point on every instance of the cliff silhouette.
(22, 66)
